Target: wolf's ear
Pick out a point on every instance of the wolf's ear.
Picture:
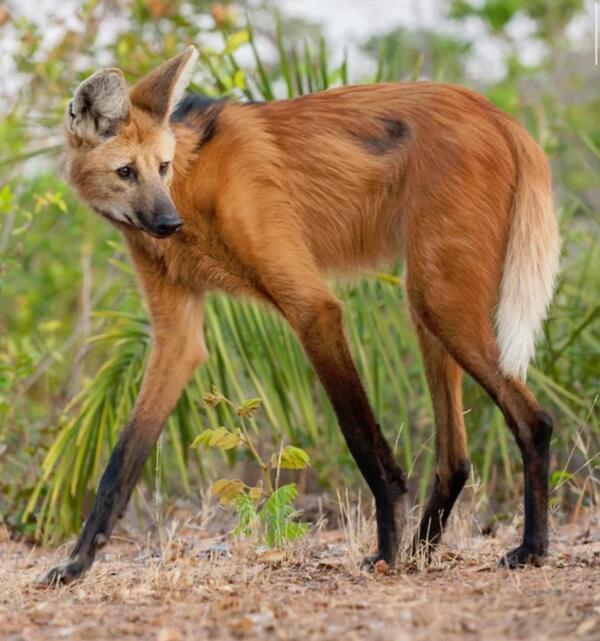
(99, 105)
(159, 92)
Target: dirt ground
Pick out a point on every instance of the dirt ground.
(185, 586)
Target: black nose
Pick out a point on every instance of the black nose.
(165, 226)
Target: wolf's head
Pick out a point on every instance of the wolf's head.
(120, 145)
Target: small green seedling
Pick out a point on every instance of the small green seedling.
(264, 509)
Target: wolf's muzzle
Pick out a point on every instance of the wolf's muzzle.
(165, 226)
(163, 222)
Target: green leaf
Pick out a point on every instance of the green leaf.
(239, 79)
(236, 40)
(280, 503)
(247, 516)
(6, 198)
(559, 477)
(291, 458)
(278, 514)
(256, 492)
(249, 407)
(224, 439)
(227, 491)
(220, 438)
(295, 530)
(265, 84)
(202, 439)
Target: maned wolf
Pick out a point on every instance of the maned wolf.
(263, 199)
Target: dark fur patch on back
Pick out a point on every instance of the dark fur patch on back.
(209, 131)
(207, 109)
(193, 104)
(395, 132)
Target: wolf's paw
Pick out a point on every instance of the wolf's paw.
(377, 563)
(64, 573)
(525, 554)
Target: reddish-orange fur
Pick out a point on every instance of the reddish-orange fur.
(273, 197)
(295, 176)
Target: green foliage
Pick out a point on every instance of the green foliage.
(496, 13)
(278, 514)
(401, 54)
(551, 17)
(290, 458)
(221, 438)
(69, 373)
(262, 510)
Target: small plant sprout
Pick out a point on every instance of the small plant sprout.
(264, 510)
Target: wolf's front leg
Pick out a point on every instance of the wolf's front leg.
(115, 488)
(178, 349)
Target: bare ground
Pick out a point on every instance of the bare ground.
(185, 586)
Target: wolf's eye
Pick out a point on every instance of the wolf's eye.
(125, 172)
(163, 167)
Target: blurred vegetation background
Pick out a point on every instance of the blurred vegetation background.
(74, 332)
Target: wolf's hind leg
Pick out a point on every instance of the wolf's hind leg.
(444, 377)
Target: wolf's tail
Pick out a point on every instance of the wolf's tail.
(532, 258)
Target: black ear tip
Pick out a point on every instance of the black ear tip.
(71, 112)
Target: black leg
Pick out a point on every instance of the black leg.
(325, 344)
(114, 491)
(444, 379)
(535, 450)
(439, 505)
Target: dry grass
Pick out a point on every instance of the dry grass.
(182, 584)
